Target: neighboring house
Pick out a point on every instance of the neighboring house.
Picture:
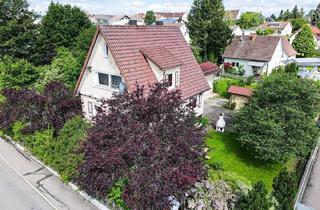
(237, 31)
(210, 71)
(232, 14)
(279, 28)
(316, 35)
(115, 19)
(239, 96)
(258, 54)
(123, 56)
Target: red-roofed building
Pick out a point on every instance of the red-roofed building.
(210, 70)
(125, 55)
(316, 34)
(239, 96)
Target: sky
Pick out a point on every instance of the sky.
(114, 7)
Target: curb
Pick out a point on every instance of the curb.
(74, 187)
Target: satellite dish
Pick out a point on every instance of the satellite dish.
(122, 88)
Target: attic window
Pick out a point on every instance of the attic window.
(106, 51)
(169, 79)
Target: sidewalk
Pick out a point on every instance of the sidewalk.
(54, 191)
(311, 196)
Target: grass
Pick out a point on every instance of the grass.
(225, 150)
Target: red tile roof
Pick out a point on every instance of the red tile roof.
(126, 43)
(209, 68)
(316, 31)
(161, 57)
(261, 48)
(240, 91)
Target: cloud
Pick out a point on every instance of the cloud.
(267, 7)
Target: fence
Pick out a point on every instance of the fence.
(306, 175)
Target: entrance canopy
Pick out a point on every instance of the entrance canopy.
(255, 63)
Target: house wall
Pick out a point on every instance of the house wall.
(247, 68)
(287, 30)
(89, 89)
(240, 101)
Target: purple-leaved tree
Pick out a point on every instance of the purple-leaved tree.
(148, 138)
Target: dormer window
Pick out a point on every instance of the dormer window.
(115, 81)
(169, 79)
(103, 79)
(106, 51)
(177, 78)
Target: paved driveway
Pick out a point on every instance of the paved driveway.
(311, 196)
(26, 185)
(214, 106)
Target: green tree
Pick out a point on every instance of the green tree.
(257, 199)
(278, 122)
(295, 13)
(150, 18)
(18, 30)
(298, 23)
(315, 17)
(284, 190)
(82, 44)
(17, 73)
(208, 31)
(304, 42)
(250, 20)
(265, 32)
(64, 68)
(60, 27)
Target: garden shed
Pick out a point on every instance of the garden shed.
(239, 96)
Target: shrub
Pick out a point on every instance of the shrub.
(278, 123)
(211, 195)
(255, 199)
(203, 121)
(115, 194)
(149, 138)
(222, 85)
(52, 108)
(284, 190)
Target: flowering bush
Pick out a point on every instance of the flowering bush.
(211, 195)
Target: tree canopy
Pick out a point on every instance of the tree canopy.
(304, 42)
(60, 27)
(250, 20)
(151, 141)
(150, 18)
(278, 122)
(208, 31)
(18, 31)
(315, 17)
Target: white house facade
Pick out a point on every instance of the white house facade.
(279, 28)
(258, 55)
(115, 60)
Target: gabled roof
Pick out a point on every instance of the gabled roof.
(274, 25)
(161, 57)
(209, 68)
(232, 14)
(240, 91)
(126, 44)
(260, 48)
(316, 31)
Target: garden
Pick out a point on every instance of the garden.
(222, 85)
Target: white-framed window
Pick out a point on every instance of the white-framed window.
(115, 81)
(90, 109)
(177, 78)
(103, 79)
(106, 50)
(169, 79)
(235, 64)
(199, 101)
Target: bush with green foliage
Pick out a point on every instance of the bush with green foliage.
(17, 73)
(203, 121)
(256, 199)
(59, 152)
(304, 42)
(265, 32)
(115, 195)
(222, 85)
(64, 68)
(250, 20)
(284, 190)
(150, 18)
(278, 122)
(298, 23)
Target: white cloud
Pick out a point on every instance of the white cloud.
(267, 7)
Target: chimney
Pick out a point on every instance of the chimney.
(159, 23)
(133, 22)
(253, 37)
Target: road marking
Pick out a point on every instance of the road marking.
(33, 187)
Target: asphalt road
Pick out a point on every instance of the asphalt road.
(16, 193)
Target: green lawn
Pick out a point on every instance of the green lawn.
(226, 150)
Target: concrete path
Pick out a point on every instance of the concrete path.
(25, 184)
(311, 196)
